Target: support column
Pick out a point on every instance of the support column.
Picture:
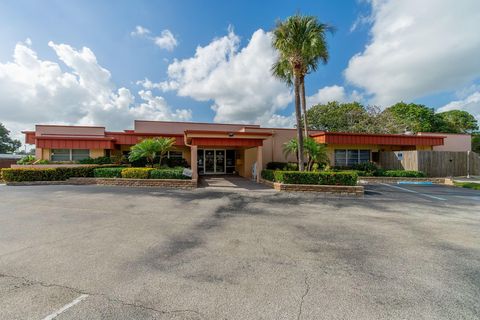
(193, 161)
(259, 162)
(39, 153)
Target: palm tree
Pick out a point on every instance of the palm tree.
(315, 152)
(301, 43)
(150, 149)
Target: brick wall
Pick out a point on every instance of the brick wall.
(164, 183)
(356, 191)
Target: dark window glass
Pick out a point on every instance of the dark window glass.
(60, 154)
(80, 154)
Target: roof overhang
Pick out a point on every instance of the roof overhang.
(377, 139)
(207, 138)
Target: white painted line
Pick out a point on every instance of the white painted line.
(65, 307)
(412, 191)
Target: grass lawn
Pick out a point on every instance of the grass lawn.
(470, 185)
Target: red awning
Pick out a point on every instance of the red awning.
(377, 139)
(226, 142)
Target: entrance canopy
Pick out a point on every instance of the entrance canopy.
(227, 139)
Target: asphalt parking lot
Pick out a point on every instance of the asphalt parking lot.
(93, 252)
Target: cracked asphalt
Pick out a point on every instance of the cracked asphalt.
(223, 254)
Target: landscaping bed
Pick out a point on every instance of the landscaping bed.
(327, 183)
(102, 175)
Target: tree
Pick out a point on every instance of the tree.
(315, 152)
(300, 41)
(151, 149)
(412, 117)
(337, 117)
(7, 144)
(476, 142)
(455, 121)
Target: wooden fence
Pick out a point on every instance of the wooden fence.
(433, 163)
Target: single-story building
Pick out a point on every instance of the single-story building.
(213, 148)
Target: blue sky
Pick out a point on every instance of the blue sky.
(394, 53)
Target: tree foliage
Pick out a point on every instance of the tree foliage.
(7, 144)
(456, 121)
(399, 118)
(313, 151)
(151, 149)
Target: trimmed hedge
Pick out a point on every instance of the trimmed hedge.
(347, 178)
(136, 173)
(268, 174)
(108, 172)
(403, 173)
(321, 178)
(19, 175)
(47, 174)
(167, 174)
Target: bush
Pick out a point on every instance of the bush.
(29, 159)
(288, 166)
(175, 162)
(19, 175)
(42, 161)
(321, 178)
(168, 174)
(136, 173)
(99, 160)
(108, 172)
(367, 169)
(404, 173)
(267, 174)
(47, 174)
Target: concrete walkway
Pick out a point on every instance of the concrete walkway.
(233, 183)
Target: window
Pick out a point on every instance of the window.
(79, 154)
(349, 158)
(60, 154)
(175, 154)
(69, 154)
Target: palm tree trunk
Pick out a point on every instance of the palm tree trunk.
(304, 105)
(298, 115)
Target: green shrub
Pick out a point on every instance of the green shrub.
(321, 178)
(47, 174)
(19, 175)
(168, 174)
(175, 162)
(404, 173)
(136, 173)
(289, 166)
(99, 160)
(108, 172)
(42, 161)
(367, 169)
(267, 174)
(28, 159)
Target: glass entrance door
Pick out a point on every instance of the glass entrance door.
(209, 161)
(214, 161)
(219, 161)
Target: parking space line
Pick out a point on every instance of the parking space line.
(412, 191)
(65, 307)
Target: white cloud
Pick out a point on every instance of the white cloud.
(418, 49)
(333, 93)
(38, 91)
(237, 80)
(140, 31)
(166, 40)
(470, 104)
